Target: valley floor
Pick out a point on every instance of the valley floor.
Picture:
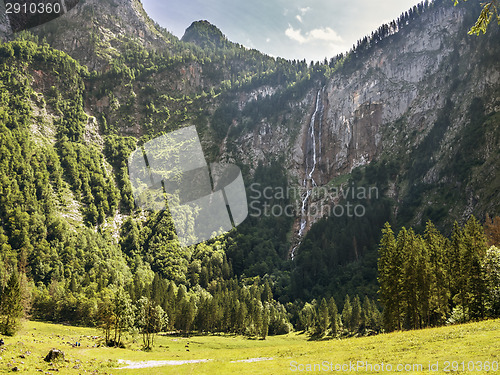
(469, 348)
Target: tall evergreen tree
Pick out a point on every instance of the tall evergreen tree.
(347, 314)
(439, 293)
(390, 277)
(11, 308)
(475, 252)
(334, 319)
(423, 281)
(265, 323)
(323, 318)
(356, 314)
(457, 271)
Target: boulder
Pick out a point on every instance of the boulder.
(54, 356)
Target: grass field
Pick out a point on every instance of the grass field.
(470, 346)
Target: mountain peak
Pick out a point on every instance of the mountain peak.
(205, 35)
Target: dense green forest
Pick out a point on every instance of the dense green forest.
(429, 280)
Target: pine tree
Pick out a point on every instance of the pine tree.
(323, 318)
(475, 252)
(169, 303)
(265, 323)
(186, 315)
(390, 279)
(415, 279)
(267, 294)
(439, 293)
(356, 314)
(333, 313)
(347, 314)
(376, 318)
(11, 309)
(157, 291)
(459, 263)
(371, 318)
(257, 317)
(423, 281)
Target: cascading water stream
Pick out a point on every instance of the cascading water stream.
(311, 159)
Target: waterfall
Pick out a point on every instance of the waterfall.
(312, 139)
(313, 149)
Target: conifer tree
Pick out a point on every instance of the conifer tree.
(408, 258)
(267, 294)
(457, 271)
(356, 314)
(265, 323)
(186, 315)
(475, 252)
(169, 303)
(11, 308)
(257, 317)
(390, 279)
(347, 313)
(323, 318)
(423, 281)
(333, 314)
(439, 293)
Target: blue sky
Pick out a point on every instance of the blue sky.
(293, 29)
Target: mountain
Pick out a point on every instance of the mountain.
(205, 35)
(97, 32)
(404, 127)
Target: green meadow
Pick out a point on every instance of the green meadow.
(469, 348)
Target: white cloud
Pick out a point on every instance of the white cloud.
(304, 10)
(295, 35)
(299, 18)
(325, 34)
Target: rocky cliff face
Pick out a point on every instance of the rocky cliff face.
(395, 80)
(96, 31)
(385, 105)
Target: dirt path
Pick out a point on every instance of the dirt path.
(147, 364)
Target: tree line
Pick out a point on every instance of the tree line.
(430, 280)
(324, 319)
(227, 306)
